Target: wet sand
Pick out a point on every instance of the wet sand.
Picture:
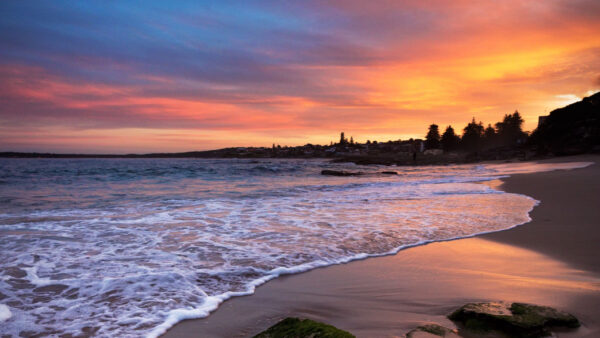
(553, 260)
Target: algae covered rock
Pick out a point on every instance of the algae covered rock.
(302, 328)
(514, 319)
(431, 330)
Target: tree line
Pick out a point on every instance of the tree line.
(476, 137)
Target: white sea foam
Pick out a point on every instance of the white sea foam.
(4, 313)
(120, 255)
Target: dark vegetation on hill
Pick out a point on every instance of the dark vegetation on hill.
(573, 129)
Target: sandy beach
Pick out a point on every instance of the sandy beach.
(552, 260)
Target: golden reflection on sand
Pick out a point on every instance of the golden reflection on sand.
(502, 265)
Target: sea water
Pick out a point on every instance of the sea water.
(129, 247)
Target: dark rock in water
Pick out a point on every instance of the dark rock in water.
(514, 319)
(350, 173)
(430, 330)
(389, 173)
(302, 328)
(340, 173)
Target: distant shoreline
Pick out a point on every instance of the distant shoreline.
(52, 155)
(194, 154)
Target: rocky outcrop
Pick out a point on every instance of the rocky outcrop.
(519, 320)
(513, 319)
(340, 173)
(351, 173)
(302, 328)
(571, 129)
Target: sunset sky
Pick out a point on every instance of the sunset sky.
(122, 77)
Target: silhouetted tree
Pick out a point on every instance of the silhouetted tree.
(449, 139)
(472, 135)
(510, 129)
(489, 136)
(343, 139)
(489, 132)
(351, 140)
(432, 139)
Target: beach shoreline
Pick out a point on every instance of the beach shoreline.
(387, 296)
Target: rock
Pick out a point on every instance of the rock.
(350, 173)
(389, 173)
(431, 330)
(514, 319)
(302, 328)
(339, 173)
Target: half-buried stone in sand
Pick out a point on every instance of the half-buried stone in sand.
(303, 328)
(513, 319)
(432, 331)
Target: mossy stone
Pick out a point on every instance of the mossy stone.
(514, 319)
(302, 328)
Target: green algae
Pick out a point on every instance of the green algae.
(514, 319)
(302, 328)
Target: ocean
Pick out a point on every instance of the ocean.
(129, 247)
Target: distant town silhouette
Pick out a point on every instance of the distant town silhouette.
(569, 130)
